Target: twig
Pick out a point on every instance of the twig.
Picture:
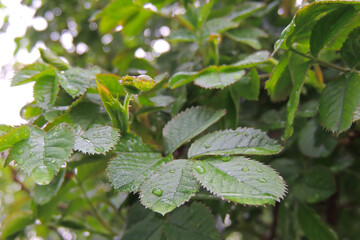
(96, 213)
(17, 180)
(323, 63)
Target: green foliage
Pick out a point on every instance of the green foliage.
(184, 151)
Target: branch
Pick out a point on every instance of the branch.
(323, 63)
(95, 212)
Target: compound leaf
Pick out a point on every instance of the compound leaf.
(133, 163)
(246, 141)
(240, 180)
(187, 125)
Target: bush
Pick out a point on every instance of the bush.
(216, 126)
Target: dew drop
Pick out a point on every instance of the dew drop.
(259, 170)
(262, 180)
(20, 161)
(157, 191)
(20, 151)
(172, 171)
(226, 158)
(41, 98)
(245, 169)
(72, 90)
(207, 146)
(200, 169)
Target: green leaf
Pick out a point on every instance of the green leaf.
(253, 59)
(304, 20)
(44, 193)
(194, 222)
(169, 187)
(42, 155)
(181, 78)
(246, 9)
(16, 222)
(187, 125)
(327, 27)
(114, 108)
(248, 87)
(298, 67)
(216, 25)
(339, 101)
(312, 225)
(76, 81)
(279, 85)
(248, 36)
(315, 142)
(29, 73)
(218, 77)
(133, 163)
(111, 82)
(240, 180)
(46, 89)
(182, 35)
(150, 227)
(246, 141)
(9, 136)
(96, 140)
(316, 185)
(308, 109)
(50, 58)
(350, 51)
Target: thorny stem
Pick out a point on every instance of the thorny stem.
(95, 212)
(323, 63)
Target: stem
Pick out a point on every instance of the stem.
(95, 212)
(126, 104)
(17, 180)
(323, 63)
(216, 54)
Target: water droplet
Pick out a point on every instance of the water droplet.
(172, 171)
(20, 151)
(207, 146)
(40, 98)
(245, 169)
(157, 191)
(72, 90)
(262, 180)
(226, 158)
(164, 205)
(200, 169)
(259, 170)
